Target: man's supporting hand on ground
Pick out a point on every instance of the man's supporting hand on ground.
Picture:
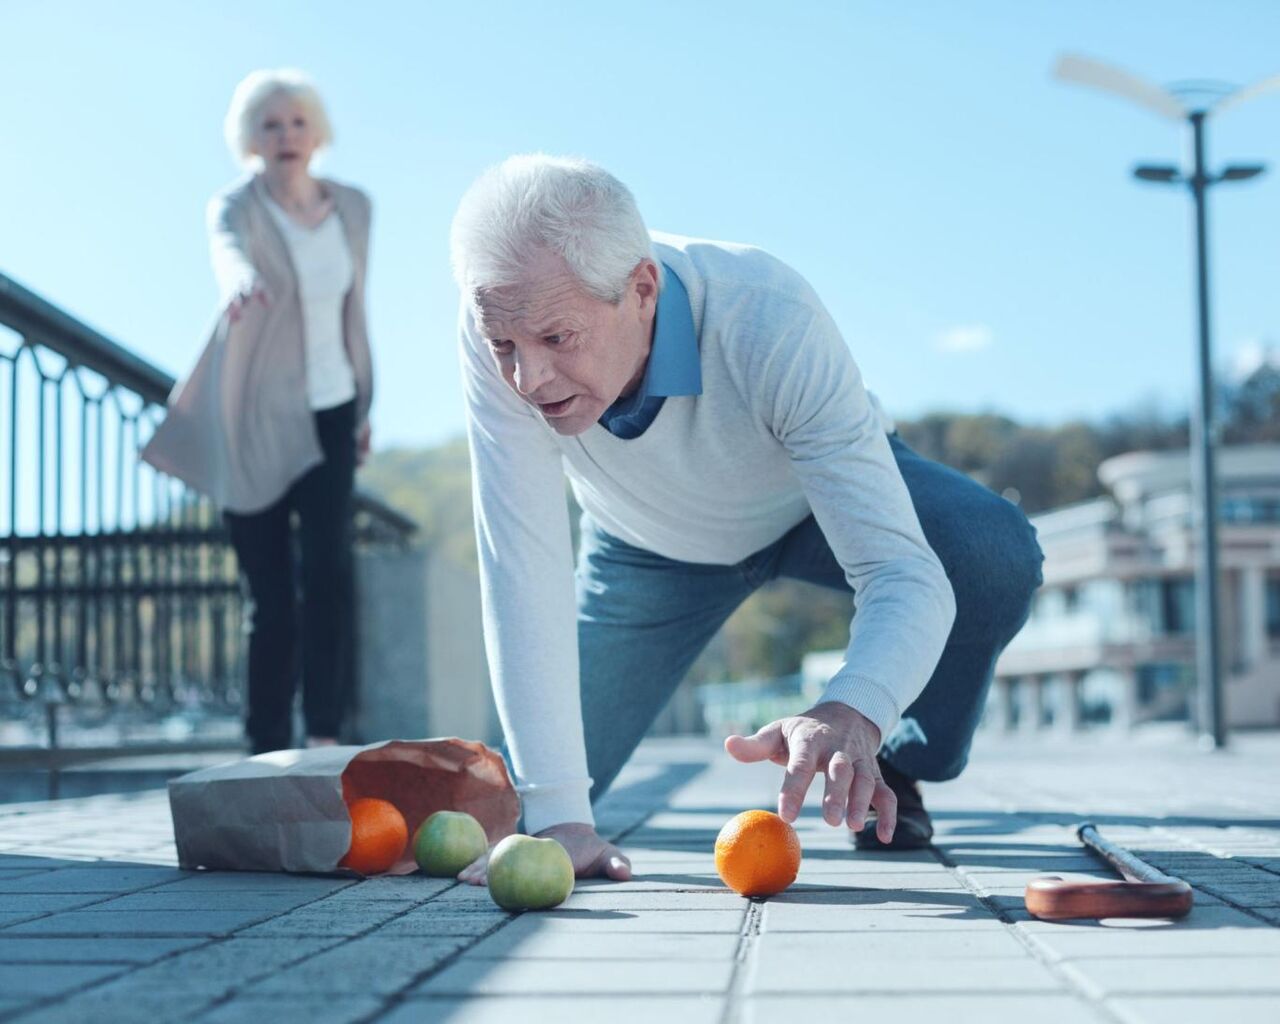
(838, 742)
(591, 856)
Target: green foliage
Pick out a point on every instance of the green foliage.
(433, 487)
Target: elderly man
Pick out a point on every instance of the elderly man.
(717, 435)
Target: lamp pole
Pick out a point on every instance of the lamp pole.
(1210, 717)
(1210, 720)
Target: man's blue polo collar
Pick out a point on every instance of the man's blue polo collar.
(674, 368)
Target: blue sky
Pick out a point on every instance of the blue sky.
(970, 222)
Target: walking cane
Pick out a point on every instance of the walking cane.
(1146, 891)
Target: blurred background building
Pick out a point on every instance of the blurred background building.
(1111, 634)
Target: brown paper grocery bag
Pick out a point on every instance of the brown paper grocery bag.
(287, 810)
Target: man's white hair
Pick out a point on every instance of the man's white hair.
(534, 202)
(253, 91)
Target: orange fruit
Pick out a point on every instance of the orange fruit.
(757, 853)
(378, 836)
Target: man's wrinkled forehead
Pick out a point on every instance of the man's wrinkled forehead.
(531, 304)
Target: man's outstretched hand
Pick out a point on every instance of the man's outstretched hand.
(591, 856)
(841, 744)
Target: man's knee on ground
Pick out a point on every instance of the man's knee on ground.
(995, 570)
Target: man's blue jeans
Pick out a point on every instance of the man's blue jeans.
(643, 619)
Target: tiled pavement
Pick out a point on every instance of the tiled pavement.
(97, 925)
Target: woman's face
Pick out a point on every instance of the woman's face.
(284, 135)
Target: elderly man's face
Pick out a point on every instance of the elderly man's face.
(565, 352)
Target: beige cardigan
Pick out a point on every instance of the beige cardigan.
(239, 427)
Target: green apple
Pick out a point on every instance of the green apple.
(447, 842)
(529, 874)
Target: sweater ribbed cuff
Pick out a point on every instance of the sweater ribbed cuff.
(555, 803)
(867, 697)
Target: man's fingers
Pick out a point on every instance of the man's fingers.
(609, 863)
(762, 746)
(618, 868)
(839, 776)
(860, 797)
(795, 782)
(886, 805)
(477, 872)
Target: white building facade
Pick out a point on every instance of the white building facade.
(1112, 632)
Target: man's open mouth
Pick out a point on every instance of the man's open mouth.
(556, 408)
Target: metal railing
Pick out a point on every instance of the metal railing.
(119, 598)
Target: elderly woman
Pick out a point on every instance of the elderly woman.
(274, 418)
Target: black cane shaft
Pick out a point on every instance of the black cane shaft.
(1122, 860)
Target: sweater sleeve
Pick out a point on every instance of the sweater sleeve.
(233, 268)
(527, 591)
(822, 414)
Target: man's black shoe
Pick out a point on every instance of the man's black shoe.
(914, 831)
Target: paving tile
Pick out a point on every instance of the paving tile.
(782, 917)
(410, 889)
(48, 902)
(1184, 1009)
(217, 968)
(654, 882)
(568, 945)
(46, 979)
(779, 969)
(253, 1009)
(878, 944)
(1201, 917)
(15, 950)
(139, 922)
(826, 873)
(159, 899)
(81, 879)
(595, 977)
(373, 964)
(621, 899)
(911, 1009)
(427, 922)
(635, 1009)
(628, 922)
(852, 900)
(24, 862)
(258, 881)
(136, 1008)
(1169, 975)
(7, 874)
(1131, 943)
(331, 921)
(464, 898)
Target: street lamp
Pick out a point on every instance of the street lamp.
(1170, 103)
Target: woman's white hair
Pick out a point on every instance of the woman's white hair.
(536, 202)
(253, 91)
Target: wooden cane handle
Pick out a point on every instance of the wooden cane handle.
(1056, 899)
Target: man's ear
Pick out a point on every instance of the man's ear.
(644, 282)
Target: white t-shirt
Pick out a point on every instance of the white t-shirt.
(325, 272)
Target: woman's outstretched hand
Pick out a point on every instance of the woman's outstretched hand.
(241, 301)
(364, 437)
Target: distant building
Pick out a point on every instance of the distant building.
(1111, 634)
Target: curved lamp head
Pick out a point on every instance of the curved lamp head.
(1118, 82)
(1241, 172)
(1163, 174)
